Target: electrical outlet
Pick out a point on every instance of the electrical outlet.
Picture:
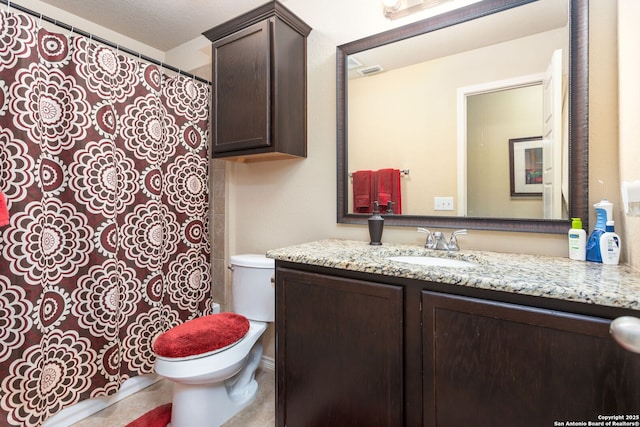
(443, 203)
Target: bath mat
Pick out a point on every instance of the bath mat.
(202, 335)
(158, 417)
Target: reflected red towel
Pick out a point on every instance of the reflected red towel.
(396, 193)
(388, 189)
(385, 180)
(4, 211)
(362, 191)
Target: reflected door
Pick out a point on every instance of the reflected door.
(552, 141)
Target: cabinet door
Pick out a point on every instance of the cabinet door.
(338, 352)
(241, 85)
(495, 364)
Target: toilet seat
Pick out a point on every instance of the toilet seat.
(201, 337)
(220, 365)
(200, 355)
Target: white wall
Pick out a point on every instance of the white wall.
(603, 110)
(629, 101)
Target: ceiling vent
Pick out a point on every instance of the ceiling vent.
(368, 71)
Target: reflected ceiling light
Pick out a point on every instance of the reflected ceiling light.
(394, 9)
(352, 62)
(391, 5)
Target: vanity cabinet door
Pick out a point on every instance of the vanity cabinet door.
(496, 364)
(339, 351)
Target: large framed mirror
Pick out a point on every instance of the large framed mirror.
(459, 109)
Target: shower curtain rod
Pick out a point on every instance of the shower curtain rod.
(10, 5)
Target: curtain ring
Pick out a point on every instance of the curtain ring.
(40, 21)
(8, 5)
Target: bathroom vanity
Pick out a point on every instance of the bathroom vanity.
(520, 340)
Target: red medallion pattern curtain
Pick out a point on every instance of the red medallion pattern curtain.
(104, 166)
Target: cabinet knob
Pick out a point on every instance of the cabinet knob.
(626, 331)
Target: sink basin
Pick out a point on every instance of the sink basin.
(433, 261)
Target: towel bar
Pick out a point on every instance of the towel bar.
(403, 172)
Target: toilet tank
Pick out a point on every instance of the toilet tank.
(253, 286)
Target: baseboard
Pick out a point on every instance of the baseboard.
(268, 363)
(86, 408)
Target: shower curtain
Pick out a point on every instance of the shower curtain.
(104, 165)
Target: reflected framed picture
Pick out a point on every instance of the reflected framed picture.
(525, 166)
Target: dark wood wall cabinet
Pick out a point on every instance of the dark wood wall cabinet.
(357, 349)
(259, 109)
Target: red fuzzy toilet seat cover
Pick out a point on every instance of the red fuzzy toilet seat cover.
(201, 335)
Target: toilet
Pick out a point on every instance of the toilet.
(212, 360)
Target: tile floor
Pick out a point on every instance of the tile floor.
(261, 413)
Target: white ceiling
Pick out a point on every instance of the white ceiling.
(162, 24)
(166, 24)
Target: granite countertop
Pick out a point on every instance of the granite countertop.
(551, 277)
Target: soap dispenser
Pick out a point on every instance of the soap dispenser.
(376, 224)
(389, 208)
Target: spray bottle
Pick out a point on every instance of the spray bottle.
(604, 213)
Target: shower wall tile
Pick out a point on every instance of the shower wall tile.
(218, 188)
(219, 273)
(218, 233)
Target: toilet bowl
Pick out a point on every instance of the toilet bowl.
(211, 387)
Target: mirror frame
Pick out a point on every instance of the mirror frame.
(578, 92)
